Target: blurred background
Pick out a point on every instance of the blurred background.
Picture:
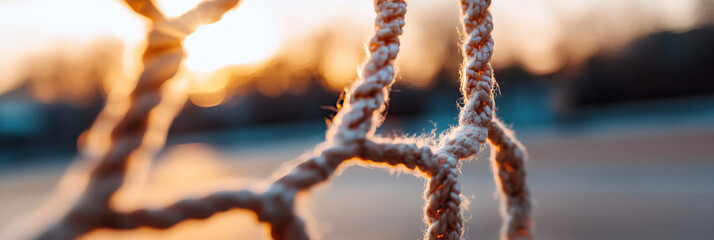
(614, 100)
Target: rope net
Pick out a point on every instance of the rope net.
(351, 135)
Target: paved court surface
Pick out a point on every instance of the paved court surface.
(614, 184)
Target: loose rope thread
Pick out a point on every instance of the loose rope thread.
(350, 136)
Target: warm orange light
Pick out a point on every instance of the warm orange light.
(340, 67)
(208, 89)
(208, 99)
(421, 59)
(247, 35)
(274, 85)
(174, 8)
(318, 35)
(55, 42)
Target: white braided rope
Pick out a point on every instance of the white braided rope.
(351, 135)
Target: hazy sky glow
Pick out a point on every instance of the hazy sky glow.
(328, 35)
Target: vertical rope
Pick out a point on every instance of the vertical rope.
(443, 205)
(444, 193)
(476, 81)
(367, 97)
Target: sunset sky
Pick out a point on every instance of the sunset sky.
(327, 35)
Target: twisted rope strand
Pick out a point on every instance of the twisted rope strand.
(368, 95)
(443, 194)
(476, 81)
(510, 173)
(350, 136)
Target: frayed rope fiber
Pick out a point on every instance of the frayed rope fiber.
(351, 135)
